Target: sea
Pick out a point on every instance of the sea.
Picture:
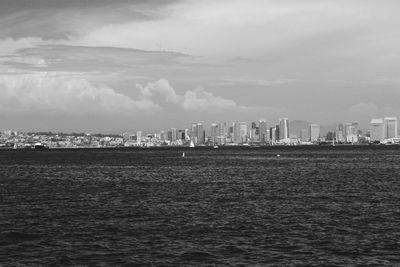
(231, 206)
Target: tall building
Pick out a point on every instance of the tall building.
(262, 131)
(239, 132)
(254, 132)
(198, 135)
(214, 133)
(139, 137)
(303, 135)
(315, 132)
(351, 132)
(222, 135)
(283, 129)
(162, 136)
(243, 132)
(272, 135)
(236, 133)
(174, 134)
(377, 130)
(390, 127)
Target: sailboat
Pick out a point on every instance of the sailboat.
(191, 144)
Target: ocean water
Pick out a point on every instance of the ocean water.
(214, 207)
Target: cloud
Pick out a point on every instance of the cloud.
(191, 100)
(161, 88)
(64, 94)
(9, 46)
(200, 100)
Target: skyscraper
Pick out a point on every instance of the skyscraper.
(200, 134)
(351, 132)
(283, 129)
(139, 137)
(222, 135)
(174, 134)
(254, 132)
(214, 133)
(314, 132)
(390, 127)
(262, 129)
(243, 132)
(236, 133)
(377, 129)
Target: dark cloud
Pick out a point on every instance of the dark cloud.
(13, 6)
(59, 19)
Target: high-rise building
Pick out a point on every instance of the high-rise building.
(222, 135)
(390, 127)
(377, 130)
(351, 132)
(262, 129)
(187, 135)
(243, 132)
(198, 134)
(214, 134)
(315, 132)
(162, 136)
(236, 133)
(139, 137)
(283, 129)
(272, 135)
(174, 134)
(254, 132)
(239, 132)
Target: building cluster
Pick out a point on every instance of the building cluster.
(11, 139)
(219, 134)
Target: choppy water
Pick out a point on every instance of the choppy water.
(310, 206)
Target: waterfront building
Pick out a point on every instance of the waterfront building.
(315, 132)
(198, 134)
(390, 127)
(236, 133)
(351, 132)
(262, 131)
(377, 130)
(139, 137)
(272, 137)
(254, 132)
(222, 135)
(283, 129)
(303, 135)
(174, 134)
(239, 132)
(162, 136)
(214, 134)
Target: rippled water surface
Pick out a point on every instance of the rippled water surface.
(310, 206)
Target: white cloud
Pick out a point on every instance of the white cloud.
(191, 100)
(62, 93)
(200, 100)
(161, 88)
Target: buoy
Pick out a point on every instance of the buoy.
(183, 154)
(278, 155)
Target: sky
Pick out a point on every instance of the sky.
(128, 65)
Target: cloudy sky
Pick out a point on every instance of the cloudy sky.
(110, 66)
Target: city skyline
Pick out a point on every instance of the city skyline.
(240, 132)
(99, 66)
